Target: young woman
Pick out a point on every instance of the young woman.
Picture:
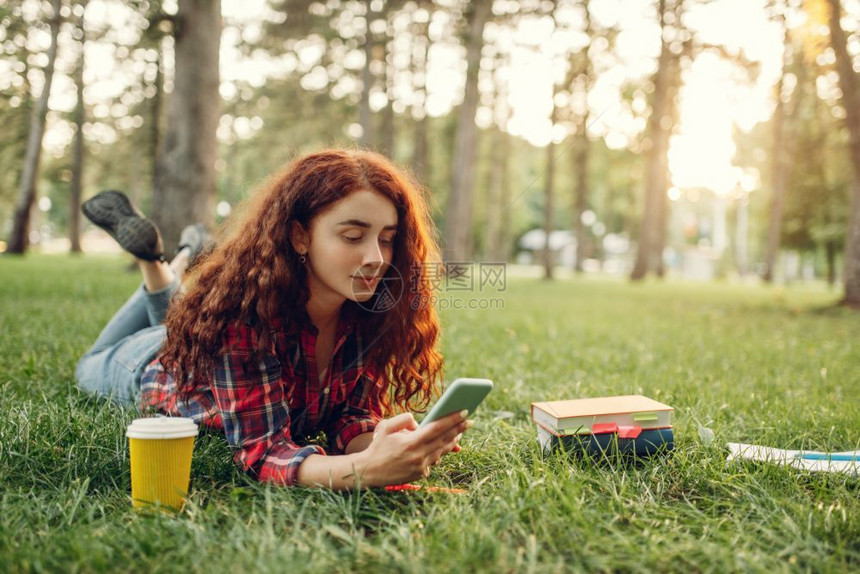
(307, 319)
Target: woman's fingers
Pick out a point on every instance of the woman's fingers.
(449, 439)
(441, 426)
(403, 421)
(435, 456)
(419, 450)
(443, 431)
(457, 447)
(445, 441)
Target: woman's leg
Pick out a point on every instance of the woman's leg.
(132, 338)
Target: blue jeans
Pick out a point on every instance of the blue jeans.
(113, 366)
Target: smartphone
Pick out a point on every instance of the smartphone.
(462, 394)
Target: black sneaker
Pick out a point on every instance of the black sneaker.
(195, 239)
(112, 211)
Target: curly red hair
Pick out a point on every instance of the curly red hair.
(255, 277)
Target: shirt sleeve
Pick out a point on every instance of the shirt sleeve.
(363, 409)
(252, 401)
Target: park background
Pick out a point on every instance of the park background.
(704, 139)
(710, 148)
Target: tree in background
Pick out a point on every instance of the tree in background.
(16, 104)
(185, 188)
(780, 145)
(458, 213)
(547, 257)
(583, 80)
(418, 58)
(376, 26)
(123, 119)
(548, 206)
(76, 191)
(851, 104)
(318, 50)
(649, 254)
(341, 29)
(158, 27)
(816, 174)
(818, 183)
(19, 239)
(499, 185)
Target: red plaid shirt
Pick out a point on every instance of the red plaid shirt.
(267, 405)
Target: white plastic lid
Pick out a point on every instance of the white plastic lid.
(161, 428)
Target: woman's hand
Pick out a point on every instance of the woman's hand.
(400, 453)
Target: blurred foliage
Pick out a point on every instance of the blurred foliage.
(15, 103)
(817, 196)
(265, 124)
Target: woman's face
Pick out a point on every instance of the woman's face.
(349, 247)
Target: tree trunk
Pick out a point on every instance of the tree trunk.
(658, 244)
(20, 238)
(830, 257)
(78, 149)
(365, 114)
(155, 114)
(386, 139)
(851, 103)
(581, 199)
(419, 151)
(741, 234)
(583, 148)
(459, 209)
(548, 210)
(498, 208)
(494, 192)
(503, 237)
(778, 169)
(420, 49)
(671, 120)
(549, 183)
(186, 190)
(22, 123)
(655, 186)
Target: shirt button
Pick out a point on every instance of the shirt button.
(326, 390)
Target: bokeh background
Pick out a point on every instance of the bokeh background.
(700, 139)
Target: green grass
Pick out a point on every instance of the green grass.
(767, 365)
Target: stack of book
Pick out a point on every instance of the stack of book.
(628, 424)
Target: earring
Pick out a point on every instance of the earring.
(303, 259)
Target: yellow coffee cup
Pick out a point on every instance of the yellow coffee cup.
(160, 450)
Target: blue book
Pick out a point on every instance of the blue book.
(648, 442)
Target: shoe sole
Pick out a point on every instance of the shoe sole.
(107, 209)
(134, 232)
(113, 212)
(195, 241)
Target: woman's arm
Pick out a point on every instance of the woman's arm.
(250, 398)
(358, 416)
(256, 419)
(362, 441)
(359, 443)
(394, 454)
